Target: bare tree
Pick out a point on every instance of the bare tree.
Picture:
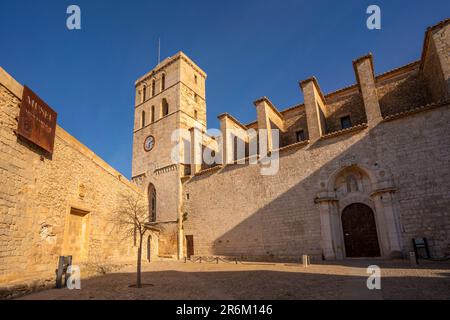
(129, 219)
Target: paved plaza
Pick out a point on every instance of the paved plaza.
(345, 280)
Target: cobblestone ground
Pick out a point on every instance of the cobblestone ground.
(347, 280)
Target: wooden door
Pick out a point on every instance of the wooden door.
(360, 231)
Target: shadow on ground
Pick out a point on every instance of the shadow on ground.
(199, 282)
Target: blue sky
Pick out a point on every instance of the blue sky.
(249, 49)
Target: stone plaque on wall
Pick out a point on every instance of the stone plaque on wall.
(37, 121)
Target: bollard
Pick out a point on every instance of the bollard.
(413, 259)
(306, 261)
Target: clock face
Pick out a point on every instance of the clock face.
(149, 143)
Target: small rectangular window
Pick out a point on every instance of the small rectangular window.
(195, 114)
(195, 78)
(153, 114)
(300, 135)
(346, 122)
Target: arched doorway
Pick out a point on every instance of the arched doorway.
(164, 107)
(360, 231)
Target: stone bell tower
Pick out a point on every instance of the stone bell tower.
(169, 97)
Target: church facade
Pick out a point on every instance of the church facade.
(358, 172)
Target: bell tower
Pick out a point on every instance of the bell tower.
(168, 98)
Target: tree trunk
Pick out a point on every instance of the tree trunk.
(139, 261)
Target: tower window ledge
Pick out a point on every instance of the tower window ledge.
(156, 121)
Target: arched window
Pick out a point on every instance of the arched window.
(163, 82)
(152, 203)
(165, 108)
(153, 87)
(153, 114)
(143, 119)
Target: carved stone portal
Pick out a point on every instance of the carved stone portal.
(371, 188)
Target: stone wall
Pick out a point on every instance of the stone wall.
(402, 91)
(235, 211)
(347, 103)
(435, 62)
(38, 193)
(185, 93)
(295, 121)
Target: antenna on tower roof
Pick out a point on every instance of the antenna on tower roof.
(159, 50)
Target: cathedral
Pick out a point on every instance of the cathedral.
(356, 173)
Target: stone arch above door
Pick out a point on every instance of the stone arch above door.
(356, 182)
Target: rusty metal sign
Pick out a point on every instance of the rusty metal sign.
(37, 121)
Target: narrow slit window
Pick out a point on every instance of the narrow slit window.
(152, 202)
(144, 94)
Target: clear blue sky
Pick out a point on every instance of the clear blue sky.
(249, 49)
